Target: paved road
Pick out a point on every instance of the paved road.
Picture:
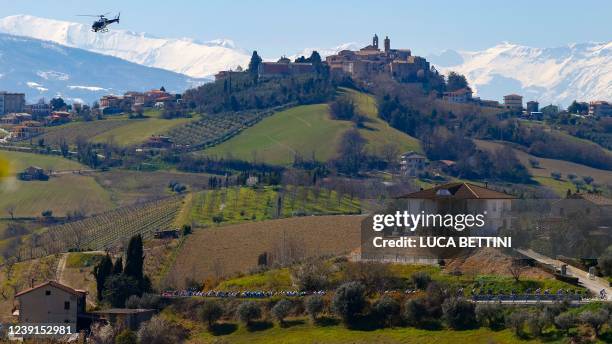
(595, 284)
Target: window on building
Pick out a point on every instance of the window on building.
(67, 305)
(47, 292)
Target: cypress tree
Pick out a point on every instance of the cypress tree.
(254, 64)
(101, 272)
(134, 259)
(118, 267)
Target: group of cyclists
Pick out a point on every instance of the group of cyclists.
(249, 294)
(528, 294)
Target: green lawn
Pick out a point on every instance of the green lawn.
(303, 130)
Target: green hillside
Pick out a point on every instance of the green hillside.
(308, 130)
(120, 129)
(136, 131)
(376, 131)
(542, 173)
(304, 130)
(63, 193)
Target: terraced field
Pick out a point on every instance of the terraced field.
(235, 205)
(110, 228)
(213, 129)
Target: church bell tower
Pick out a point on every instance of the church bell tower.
(387, 44)
(375, 41)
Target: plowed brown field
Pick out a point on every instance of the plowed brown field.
(223, 251)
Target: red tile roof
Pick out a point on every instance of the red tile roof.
(459, 191)
(53, 284)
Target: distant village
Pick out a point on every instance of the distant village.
(20, 120)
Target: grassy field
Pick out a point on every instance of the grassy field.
(301, 331)
(62, 193)
(59, 194)
(137, 131)
(71, 131)
(542, 173)
(128, 187)
(376, 131)
(236, 205)
(309, 131)
(119, 129)
(18, 161)
(225, 250)
(303, 130)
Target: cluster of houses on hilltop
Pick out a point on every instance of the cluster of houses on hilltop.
(137, 101)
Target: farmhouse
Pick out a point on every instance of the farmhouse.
(33, 173)
(26, 130)
(15, 118)
(412, 163)
(463, 198)
(461, 96)
(52, 303)
(166, 234)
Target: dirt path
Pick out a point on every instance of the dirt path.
(594, 284)
(61, 265)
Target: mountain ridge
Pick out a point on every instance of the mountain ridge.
(181, 55)
(43, 69)
(558, 75)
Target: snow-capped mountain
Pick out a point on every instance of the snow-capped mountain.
(548, 75)
(185, 56)
(45, 69)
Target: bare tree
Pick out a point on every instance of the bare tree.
(390, 153)
(10, 209)
(516, 269)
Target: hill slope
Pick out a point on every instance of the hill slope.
(44, 69)
(60, 194)
(309, 131)
(304, 130)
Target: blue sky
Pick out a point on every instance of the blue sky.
(284, 27)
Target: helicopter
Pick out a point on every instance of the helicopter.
(101, 25)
